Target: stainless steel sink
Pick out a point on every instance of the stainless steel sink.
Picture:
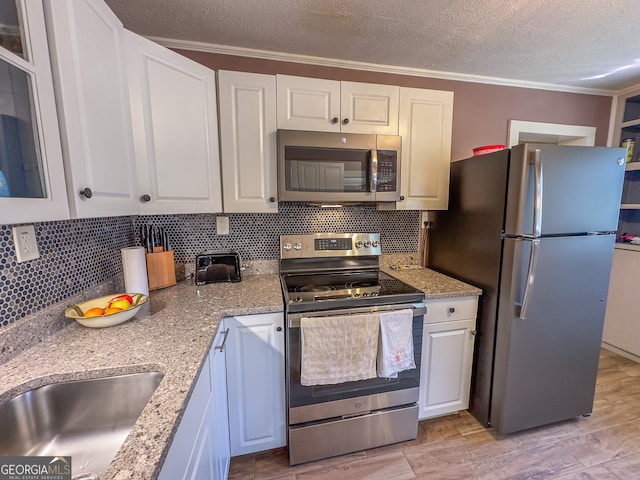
(86, 419)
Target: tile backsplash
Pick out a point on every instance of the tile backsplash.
(78, 254)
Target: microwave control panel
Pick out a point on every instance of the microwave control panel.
(387, 171)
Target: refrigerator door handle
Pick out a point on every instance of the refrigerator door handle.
(535, 160)
(531, 276)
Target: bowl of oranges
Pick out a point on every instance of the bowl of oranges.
(107, 311)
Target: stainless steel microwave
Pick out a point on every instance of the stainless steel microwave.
(328, 167)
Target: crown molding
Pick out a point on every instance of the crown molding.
(371, 67)
(635, 89)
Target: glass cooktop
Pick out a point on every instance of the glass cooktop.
(318, 287)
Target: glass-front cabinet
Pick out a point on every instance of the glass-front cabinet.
(32, 183)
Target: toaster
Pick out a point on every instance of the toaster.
(218, 266)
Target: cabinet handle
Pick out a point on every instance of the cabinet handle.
(473, 333)
(401, 197)
(452, 309)
(86, 193)
(335, 120)
(345, 121)
(224, 340)
(278, 329)
(145, 198)
(272, 199)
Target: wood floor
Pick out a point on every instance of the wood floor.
(605, 446)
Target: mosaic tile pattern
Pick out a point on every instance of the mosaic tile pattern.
(74, 255)
(257, 236)
(78, 254)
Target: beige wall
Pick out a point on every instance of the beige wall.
(481, 112)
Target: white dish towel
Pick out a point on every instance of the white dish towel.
(395, 351)
(338, 349)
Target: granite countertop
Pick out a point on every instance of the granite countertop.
(433, 284)
(172, 333)
(406, 267)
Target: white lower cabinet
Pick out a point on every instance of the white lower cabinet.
(255, 382)
(200, 447)
(621, 327)
(447, 355)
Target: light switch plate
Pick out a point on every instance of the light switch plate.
(222, 225)
(24, 240)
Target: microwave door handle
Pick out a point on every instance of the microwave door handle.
(373, 185)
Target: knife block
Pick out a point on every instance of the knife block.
(161, 270)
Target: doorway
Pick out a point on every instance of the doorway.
(521, 131)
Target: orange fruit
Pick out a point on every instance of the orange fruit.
(121, 303)
(112, 310)
(94, 312)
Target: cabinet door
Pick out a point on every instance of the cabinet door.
(173, 106)
(185, 448)
(218, 413)
(369, 108)
(621, 326)
(308, 104)
(425, 126)
(248, 141)
(445, 377)
(32, 184)
(86, 41)
(255, 381)
(202, 464)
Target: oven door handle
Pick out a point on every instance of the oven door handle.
(293, 319)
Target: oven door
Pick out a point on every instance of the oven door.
(320, 402)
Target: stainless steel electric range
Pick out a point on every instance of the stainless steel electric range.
(329, 274)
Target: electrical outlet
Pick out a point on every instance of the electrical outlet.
(24, 240)
(222, 225)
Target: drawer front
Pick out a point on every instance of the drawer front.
(451, 309)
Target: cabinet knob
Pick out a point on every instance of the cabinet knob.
(86, 193)
(335, 120)
(278, 329)
(345, 121)
(272, 199)
(452, 309)
(145, 198)
(401, 197)
(473, 333)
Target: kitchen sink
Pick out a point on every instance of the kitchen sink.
(85, 419)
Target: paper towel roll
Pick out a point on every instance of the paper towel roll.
(134, 264)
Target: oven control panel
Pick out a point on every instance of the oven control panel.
(329, 245)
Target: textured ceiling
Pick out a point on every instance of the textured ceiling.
(562, 42)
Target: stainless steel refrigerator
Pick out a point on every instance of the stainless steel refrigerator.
(533, 227)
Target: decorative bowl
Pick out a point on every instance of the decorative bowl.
(76, 312)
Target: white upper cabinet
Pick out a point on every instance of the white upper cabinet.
(426, 118)
(173, 107)
(333, 106)
(369, 108)
(248, 141)
(32, 186)
(86, 42)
